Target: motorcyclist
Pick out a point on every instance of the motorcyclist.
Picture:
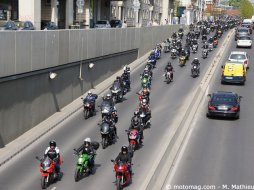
(144, 105)
(125, 77)
(205, 46)
(110, 100)
(196, 63)
(111, 122)
(53, 153)
(210, 41)
(87, 148)
(183, 53)
(125, 157)
(145, 93)
(135, 124)
(204, 37)
(169, 68)
(91, 98)
(152, 56)
(174, 35)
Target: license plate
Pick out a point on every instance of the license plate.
(223, 108)
(229, 77)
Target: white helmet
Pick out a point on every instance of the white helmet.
(89, 93)
(87, 140)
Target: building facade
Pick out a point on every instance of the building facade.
(66, 13)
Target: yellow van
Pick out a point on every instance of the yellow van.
(233, 72)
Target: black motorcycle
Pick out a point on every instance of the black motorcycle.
(194, 71)
(117, 92)
(107, 134)
(204, 53)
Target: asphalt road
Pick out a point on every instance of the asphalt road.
(22, 172)
(219, 153)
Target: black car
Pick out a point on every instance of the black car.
(116, 23)
(224, 104)
(28, 25)
(10, 25)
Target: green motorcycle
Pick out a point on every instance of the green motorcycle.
(145, 82)
(82, 168)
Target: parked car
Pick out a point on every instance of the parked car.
(244, 41)
(27, 25)
(239, 56)
(10, 25)
(241, 31)
(102, 24)
(51, 26)
(224, 104)
(116, 24)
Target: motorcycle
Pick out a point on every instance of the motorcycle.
(88, 109)
(142, 97)
(182, 61)
(126, 86)
(210, 47)
(194, 71)
(204, 53)
(82, 168)
(123, 176)
(107, 134)
(145, 82)
(219, 33)
(106, 109)
(173, 53)
(134, 139)
(215, 43)
(117, 92)
(143, 115)
(152, 62)
(168, 77)
(194, 48)
(48, 173)
(180, 34)
(157, 53)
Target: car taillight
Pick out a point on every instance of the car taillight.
(245, 62)
(211, 107)
(235, 108)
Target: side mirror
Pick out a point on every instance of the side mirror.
(209, 95)
(222, 66)
(82, 98)
(98, 124)
(112, 160)
(240, 97)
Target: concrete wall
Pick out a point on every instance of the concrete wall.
(26, 51)
(39, 97)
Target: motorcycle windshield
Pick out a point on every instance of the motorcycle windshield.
(116, 86)
(105, 107)
(46, 164)
(104, 128)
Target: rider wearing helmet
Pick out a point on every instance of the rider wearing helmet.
(111, 122)
(135, 124)
(197, 63)
(87, 148)
(169, 68)
(205, 46)
(145, 106)
(91, 98)
(53, 153)
(125, 157)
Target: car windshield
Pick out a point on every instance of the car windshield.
(246, 25)
(237, 56)
(114, 21)
(244, 38)
(226, 99)
(101, 22)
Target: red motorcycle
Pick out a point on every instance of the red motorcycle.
(123, 176)
(88, 109)
(47, 169)
(134, 139)
(142, 97)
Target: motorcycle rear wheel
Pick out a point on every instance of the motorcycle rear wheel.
(43, 182)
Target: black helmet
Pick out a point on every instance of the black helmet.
(118, 78)
(52, 143)
(169, 63)
(124, 150)
(135, 113)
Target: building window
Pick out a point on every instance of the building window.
(48, 2)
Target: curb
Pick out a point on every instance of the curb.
(133, 66)
(176, 135)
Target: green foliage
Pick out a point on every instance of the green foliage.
(235, 3)
(246, 9)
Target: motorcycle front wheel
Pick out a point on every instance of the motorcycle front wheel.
(86, 114)
(119, 184)
(77, 175)
(43, 182)
(104, 143)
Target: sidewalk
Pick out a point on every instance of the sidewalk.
(18, 145)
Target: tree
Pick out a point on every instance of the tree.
(246, 9)
(235, 3)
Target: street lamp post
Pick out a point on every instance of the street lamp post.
(136, 6)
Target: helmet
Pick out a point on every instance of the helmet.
(169, 63)
(135, 113)
(89, 93)
(87, 141)
(125, 71)
(124, 150)
(118, 78)
(52, 143)
(195, 59)
(108, 96)
(144, 102)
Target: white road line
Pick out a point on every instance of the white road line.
(54, 188)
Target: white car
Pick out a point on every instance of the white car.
(239, 56)
(244, 41)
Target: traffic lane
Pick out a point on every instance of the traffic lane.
(219, 151)
(72, 132)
